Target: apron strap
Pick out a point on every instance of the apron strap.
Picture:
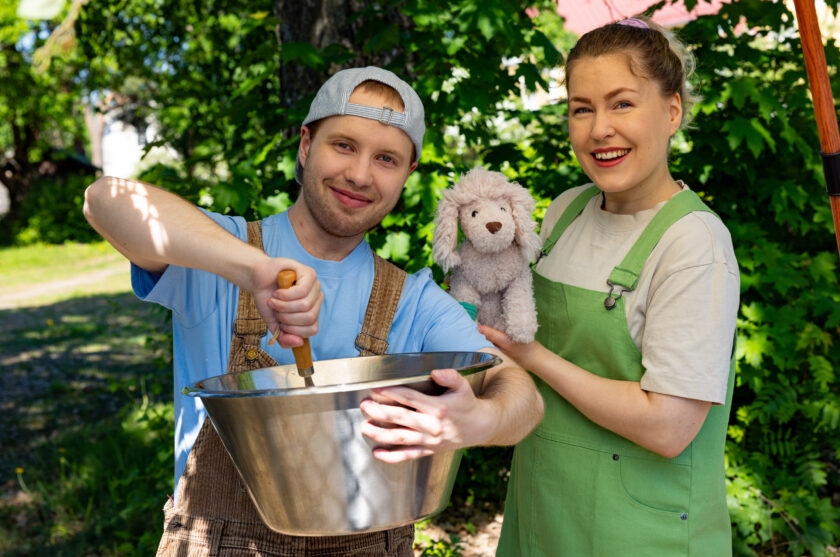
(385, 295)
(626, 273)
(571, 213)
(625, 276)
(249, 326)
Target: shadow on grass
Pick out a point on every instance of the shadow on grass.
(85, 427)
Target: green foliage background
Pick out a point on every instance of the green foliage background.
(207, 72)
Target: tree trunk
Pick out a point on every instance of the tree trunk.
(323, 23)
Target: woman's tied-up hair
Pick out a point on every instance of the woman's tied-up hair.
(653, 52)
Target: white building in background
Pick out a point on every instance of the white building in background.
(5, 201)
(122, 149)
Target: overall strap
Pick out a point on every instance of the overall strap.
(625, 276)
(570, 214)
(249, 327)
(385, 295)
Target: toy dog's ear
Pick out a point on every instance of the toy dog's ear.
(445, 236)
(526, 236)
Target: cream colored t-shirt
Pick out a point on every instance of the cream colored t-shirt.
(682, 314)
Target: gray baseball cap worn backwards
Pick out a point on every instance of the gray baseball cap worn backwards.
(333, 99)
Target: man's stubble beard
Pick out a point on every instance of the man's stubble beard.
(335, 222)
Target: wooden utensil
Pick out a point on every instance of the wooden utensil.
(303, 353)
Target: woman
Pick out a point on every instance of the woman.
(637, 294)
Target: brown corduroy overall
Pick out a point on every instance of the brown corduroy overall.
(214, 515)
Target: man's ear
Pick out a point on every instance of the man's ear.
(412, 167)
(305, 143)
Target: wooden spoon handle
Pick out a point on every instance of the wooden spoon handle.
(303, 353)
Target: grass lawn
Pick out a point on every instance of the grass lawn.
(85, 405)
(40, 263)
(50, 273)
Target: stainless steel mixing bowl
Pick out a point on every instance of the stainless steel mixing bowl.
(300, 452)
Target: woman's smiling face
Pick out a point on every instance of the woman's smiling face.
(620, 125)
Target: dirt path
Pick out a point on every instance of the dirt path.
(38, 294)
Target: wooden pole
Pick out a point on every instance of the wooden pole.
(815, 65)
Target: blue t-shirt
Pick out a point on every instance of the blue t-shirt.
(204, 308)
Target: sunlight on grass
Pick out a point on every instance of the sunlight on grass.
(92, 348)
(61, 272)
(54, 259)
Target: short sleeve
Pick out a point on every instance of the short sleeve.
(191, 294)
(691, 318)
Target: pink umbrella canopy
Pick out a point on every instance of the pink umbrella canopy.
(584, 15)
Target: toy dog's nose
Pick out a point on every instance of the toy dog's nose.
(493, 227)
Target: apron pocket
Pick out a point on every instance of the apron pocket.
(647, 508)
(658, 485)
(586, 501)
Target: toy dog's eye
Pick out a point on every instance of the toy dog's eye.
(504, 209)
(474, 213)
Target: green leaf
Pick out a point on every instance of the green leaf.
(266, 148)
(487, 25)
(301, 52)
(755, 347)
(551, 55)
(532, 76)
(226, 195)
(754, 312)
(813, 338)
(396, 247)
(756, 141)
(274, 204)
(741, 129)
(822, 268)
(821, 370)
(740, 90)
(386, 39)
(249, 84)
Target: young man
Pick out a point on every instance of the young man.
(362, 138)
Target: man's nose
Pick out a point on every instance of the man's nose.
(359, 171)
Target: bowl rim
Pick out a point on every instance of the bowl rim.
(488, 360)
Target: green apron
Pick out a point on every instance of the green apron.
(578, 489)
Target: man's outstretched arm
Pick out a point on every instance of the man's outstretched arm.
(155, 228)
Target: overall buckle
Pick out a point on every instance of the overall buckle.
(611, 301)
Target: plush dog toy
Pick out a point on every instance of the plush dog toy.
(490, 268)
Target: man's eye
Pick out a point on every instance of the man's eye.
(474, 214)
(386, 158)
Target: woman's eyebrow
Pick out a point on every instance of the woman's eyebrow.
(616, 92)
(608, 96)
